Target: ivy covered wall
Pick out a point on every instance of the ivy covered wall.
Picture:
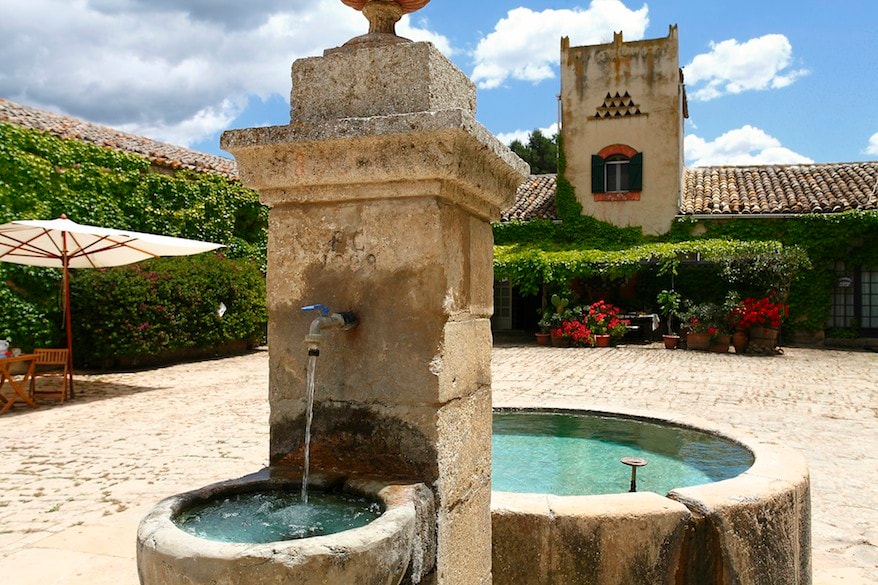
(850, 237)
(797, 253)
(43, 176)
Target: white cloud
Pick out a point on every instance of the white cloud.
(743, 146)
(171, 70)
(227, 13)
(522, 135)
(421, 32)
(525, 45)
(731, 67)
(873, 145)
(202, 124)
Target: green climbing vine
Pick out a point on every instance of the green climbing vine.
(850, 237)
(43, 176)
(796, 255)
(767, 263)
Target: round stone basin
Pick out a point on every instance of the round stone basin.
(208, 536)
(571, 453)
(276, 514)
(737, 512)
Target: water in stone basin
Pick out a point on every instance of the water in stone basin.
(533, 452)
(579, 454)
(274, 515)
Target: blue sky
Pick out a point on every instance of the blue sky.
(768, 82)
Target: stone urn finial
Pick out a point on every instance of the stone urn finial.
(383, 16)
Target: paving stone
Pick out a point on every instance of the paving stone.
(101, 461)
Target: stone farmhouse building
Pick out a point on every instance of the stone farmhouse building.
(623, 106)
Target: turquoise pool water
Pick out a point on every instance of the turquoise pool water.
(533, 452)
(272, 515)
(579, 454)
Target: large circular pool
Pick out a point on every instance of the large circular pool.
(579, 454)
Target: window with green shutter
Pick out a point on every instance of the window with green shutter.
(597, 174)
(635, 173)
(616, 173)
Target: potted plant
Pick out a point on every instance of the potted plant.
(669, 302)
(719, 339)
(553, 319)
(704, 321)
(573, 331)
(762, 318)
(545, 323)
(602, 319)
(734, 315)
(543, 337)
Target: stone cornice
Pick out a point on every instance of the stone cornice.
(380, 157)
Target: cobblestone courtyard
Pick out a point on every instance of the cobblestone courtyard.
(76, 479)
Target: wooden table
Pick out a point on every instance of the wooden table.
(19, 386)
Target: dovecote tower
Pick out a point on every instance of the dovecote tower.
(622, 111)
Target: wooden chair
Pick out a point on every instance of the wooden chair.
(52, 364)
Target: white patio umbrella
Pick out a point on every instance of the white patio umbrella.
(62, 243)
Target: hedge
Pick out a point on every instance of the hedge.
(133, 314)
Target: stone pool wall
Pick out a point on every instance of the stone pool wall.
(398, 544)
(622, 538)
(753, 529)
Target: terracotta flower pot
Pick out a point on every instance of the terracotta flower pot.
(740, 340)
(699, 341)
(543, 338)
(763, 340)
(602, 340)
(560, 341)
(721, 345)
(671, 341)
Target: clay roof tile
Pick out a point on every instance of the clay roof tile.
(159, 153)
(535, 199)
(775, 189)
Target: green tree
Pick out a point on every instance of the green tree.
(541, 152)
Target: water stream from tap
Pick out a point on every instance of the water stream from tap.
(309, 414)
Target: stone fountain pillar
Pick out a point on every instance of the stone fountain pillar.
(381, 191)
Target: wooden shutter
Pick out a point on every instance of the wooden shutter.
(635, 172)
(597, 174)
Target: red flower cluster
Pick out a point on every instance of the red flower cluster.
(574, 330)
(583, 323)
(602, 318)
(760, 313)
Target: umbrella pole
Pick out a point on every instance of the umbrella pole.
(67, 320)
